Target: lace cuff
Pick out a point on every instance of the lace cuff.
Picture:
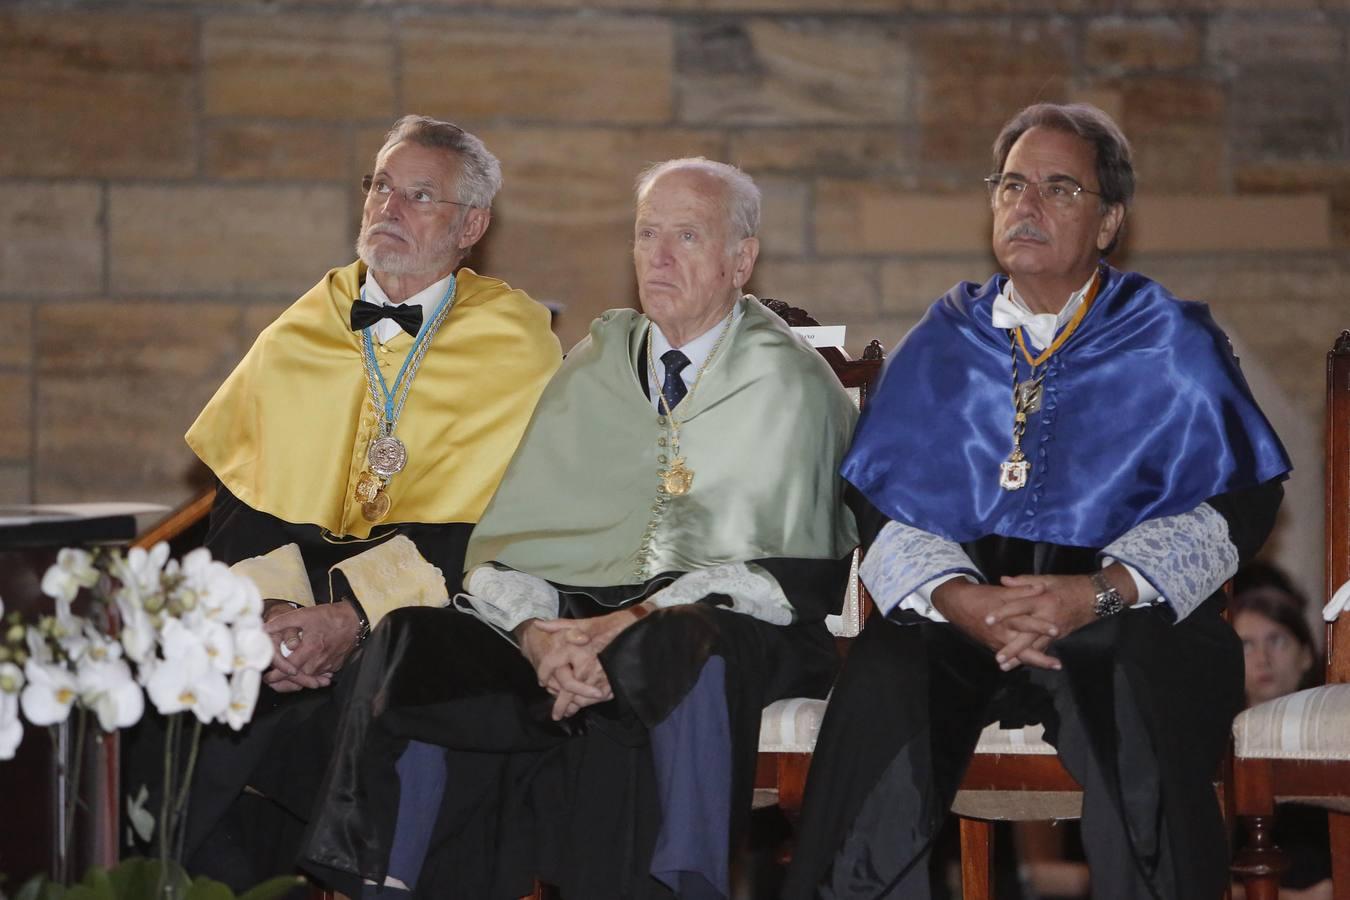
(752, 591)
(504, 598)
(1186, 557)
(903, 560)
(392, 575)
(279, 574)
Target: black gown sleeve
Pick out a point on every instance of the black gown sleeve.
(870, 519)
(1250, 514)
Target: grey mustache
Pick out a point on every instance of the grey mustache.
(1025, 230)
(385, 229)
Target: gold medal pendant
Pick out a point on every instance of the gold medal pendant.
(677, 479)
(367, 486)
(375, 509)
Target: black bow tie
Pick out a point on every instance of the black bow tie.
(365, 314)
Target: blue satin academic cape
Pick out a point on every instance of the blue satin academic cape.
(1144, 414)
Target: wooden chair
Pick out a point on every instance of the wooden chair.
(1015, 775)
(1297, 747)
(789, 727)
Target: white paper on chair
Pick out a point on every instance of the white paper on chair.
(822, 335)
(1339, 601)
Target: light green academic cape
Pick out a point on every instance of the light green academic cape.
(764, 433)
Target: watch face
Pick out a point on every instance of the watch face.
(1108, 603)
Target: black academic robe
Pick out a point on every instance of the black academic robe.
(1140, 714)
(573, 803)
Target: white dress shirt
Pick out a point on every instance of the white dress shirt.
(1010, 311)
(385, 330)
(696, 351)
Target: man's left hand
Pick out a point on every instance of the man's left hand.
(1065, 601)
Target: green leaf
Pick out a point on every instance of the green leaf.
(135, 878)
(206, 889)
(95, 886)
(276, 887)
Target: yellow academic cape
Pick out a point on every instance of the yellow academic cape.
(288, 431)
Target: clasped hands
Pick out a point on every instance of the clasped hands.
(1020, 616)
(309, 643)
(565, 654)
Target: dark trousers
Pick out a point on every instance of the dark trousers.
(1140, 715)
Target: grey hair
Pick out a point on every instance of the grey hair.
(1115, 168)
(743, 198)
(480, 175)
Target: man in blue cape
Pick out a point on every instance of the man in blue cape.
(1057, 473)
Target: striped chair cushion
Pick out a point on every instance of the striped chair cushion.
(791, 726)
(1028, 740)
(1311, 724)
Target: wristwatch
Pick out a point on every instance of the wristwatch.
(1109, 600)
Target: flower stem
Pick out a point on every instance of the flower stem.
(180, 807)
(73, 787)
(170, 747)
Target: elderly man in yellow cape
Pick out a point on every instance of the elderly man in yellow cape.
(355, 446)
(655, 568)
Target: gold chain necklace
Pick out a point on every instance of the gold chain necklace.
(1026, 399)
(1026, 396)
(677, 478)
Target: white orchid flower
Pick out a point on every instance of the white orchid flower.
(186, 679)
(11, 728)
(72, 570)
(253, 647)
(138, 632)
(38, 649)
(244, 686)
(180, 685)
(100, 647)
(108, 688)
(218, 640)
(47, 698)
(72, 632)
(141, 570)
(218, 592)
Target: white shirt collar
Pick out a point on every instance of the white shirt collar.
(696, 351)
(1010, 311)
(386, 330)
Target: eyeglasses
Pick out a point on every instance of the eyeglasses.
(1060, 192)
(418, 198)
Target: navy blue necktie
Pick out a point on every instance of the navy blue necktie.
(673, 389)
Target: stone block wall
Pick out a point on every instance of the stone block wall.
(173, 173)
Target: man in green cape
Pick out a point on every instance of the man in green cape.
(655, 568)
